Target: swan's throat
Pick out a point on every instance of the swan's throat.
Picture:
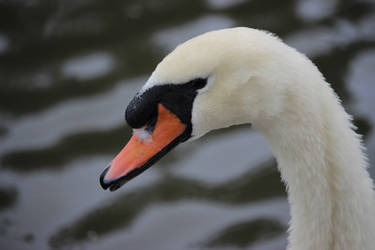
(329, 190)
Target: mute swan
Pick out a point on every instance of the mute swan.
(242, 75)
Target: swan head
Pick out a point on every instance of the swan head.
(212, 81)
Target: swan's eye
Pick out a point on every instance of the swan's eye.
(199, 83)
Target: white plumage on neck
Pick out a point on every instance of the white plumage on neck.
(321, 162)
(255, 78)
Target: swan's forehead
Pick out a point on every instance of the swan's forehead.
(182, 66)
(210, 53)
(196, 58)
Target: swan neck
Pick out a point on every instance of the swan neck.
(322, 164)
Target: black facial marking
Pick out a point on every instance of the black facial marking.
(142, 111)
(178, 98)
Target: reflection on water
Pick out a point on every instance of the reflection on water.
(172, 37)
(244, 233)
(223, 4)
(7, 197)
(242, 190)
(360, 79)
(322, 40)
(315, 10)
(88, 66)
(4, 43)
(68, 70)
(102, 112)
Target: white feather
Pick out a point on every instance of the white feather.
(255, 78)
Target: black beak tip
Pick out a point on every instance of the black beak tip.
(104, 183)
(114, 184)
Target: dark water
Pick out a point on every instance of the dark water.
(68, 70)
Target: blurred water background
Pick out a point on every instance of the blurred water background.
(68, 68)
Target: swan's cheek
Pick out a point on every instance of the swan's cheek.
(205, 116)
(199, 120)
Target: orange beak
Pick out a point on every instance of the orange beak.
(140, 153)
